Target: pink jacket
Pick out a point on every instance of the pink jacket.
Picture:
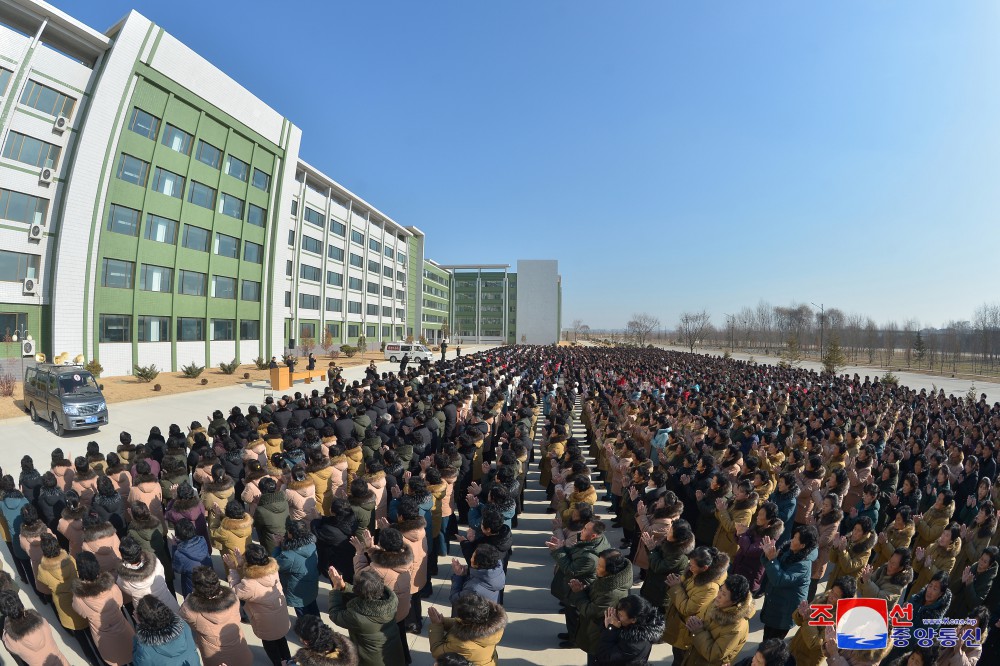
(260, 589)
(100, 602)
(302, 500)
(30, 638)
(103, 542)
(396, 569)
(216, 627)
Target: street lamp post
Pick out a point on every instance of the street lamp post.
(822, 327)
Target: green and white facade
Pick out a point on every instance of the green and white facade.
(153, 211)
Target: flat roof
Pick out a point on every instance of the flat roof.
(460, 267)
(316, 173)
(62, 31)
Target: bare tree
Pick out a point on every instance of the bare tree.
(693, 327)
(585, 331)
(640, 326)
(577, 326)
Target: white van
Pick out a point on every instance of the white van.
(394, 351)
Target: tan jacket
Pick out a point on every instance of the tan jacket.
(723, 634)
(103, 542)
(31, 639)
(147, 489)
(302, 500)
(476, 642)
(217, 630)
(415, 533)
(260, 590)
(100, 602)
(691, 597)
(396, 569)
(59, 574)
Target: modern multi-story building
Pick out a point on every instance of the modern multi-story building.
(153, 211)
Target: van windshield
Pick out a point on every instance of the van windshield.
(81, 382)
(421, 348)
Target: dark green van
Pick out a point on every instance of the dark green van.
(65, 395)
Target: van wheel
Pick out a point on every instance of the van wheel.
(392, 359)
(34, 413)
(57, 427)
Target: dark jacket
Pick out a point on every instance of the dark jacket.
(150, 536)
(577, 561)
(966, 597)
(187, 555)
(371, 624)
(50, 503)
(112, 510)
(591, 603)
(172, 644)
(627, 646)
(788, 577)
(333, 545)
(787, 503)
(270, 517)
(667, 558)
(923, 611)
(364, 511)
(298, 570)
(487, 583)
(10, 507)
(747, 561)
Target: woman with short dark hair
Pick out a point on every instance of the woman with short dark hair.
(161, 636)
(213, 611)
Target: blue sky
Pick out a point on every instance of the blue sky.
(671, 155)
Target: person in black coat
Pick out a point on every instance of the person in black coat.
(630, 628)
(773, 652)
(51, 501)
(333, 539)
(110, 506)
(30, 480)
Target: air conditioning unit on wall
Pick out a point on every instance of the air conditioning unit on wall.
(35, 232)
(27, 347)
(30, 286)
(61, 124)
(46, 175)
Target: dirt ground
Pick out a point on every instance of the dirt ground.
(123, 389)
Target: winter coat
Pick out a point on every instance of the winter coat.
(895, 538)
(739, 512)
(173, 644)
(320, 475)
(788, 577)
(807, 643)
(371, 625)
(364, 511)
(930, 526)
(259, 587)
(658, 528)
(747, 562)
(415, 533)
(111, 509)
(85, 484)
(147, 579)
(121, 479)
(100, 602)
(923, 611)
(216, 626)
(298, 570)
(627, 646)
(475, 642)
(146, 488)
(577, 561)
(333, 546)
(344, 654)
(50, 503)
(395, 568)
(965, 598)
(301, 497)
(706, 524)
(187, 555)
(150, 537)
(193, 510)
(233, 534)
(103, 542)
(487, 583)
(30, 638)
(592, 602)
(58, 574)
(216, 494)
(270, 517)
(723, 634)
(64, 473)
(942, 559)
(880, 585)
(10, 507)
(972, 550)
(71, 527)
(827, 527)
(851, 560)
(690, 597)
(31, 543)
(667, 558)
(787, 503)
(809, 483)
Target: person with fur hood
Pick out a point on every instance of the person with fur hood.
(84, 480)
(32, 531)
(809, 480)
(57, 571)
(473, 632)
(690, 594)
(98, 600)
(826, 521)
(27, 635)
(748, 563)
(145, 529)
(301, 495)
(254, 579)
(940, 556)
(413, 526)
(99, 538)
(161, 636)
(788, 570)
(720, 631)
(322, 646)
(188, 551)
(186, 505)
(213, 611)
(271, 514)
(110, 506)
(320, 471)
(629, 630)
(297, 568)
(975, 583)
(392, 559)
(146, 488)
(706, 525)
(367, 609)
(807, 643)
(120, 476)
(234, 532)
(897, 534)
(141, 573)
(888, 581)
(654, 522)
(216, 493)
(363, 503)
(669, 556)
(849, 554)
(737, 511)
(613, 581)
(63, 469)
(932, 522)
(51, 501)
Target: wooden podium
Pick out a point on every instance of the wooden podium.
(281, 378)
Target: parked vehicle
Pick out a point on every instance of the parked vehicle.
(394, 352)
(66, 395)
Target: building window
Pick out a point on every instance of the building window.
(154, 329)
(195, 238)
(156, 278)
(353, 330)
(400, 295)
(168, 182)
(223, 287)
(190, 329)
(333, 330)
(117, 274)
(29, 150)
(143, 123)
(177, 139)
(313, 217)
(17, 266)
(335, 279)
(388, 252)
(288, 268)
(133, 170)
(353, 307)
(295, 207)
(201, 195)
(226, 246)
(354, 283)
(334, 304)
(291, 237)
(256, 216)
(386, 311)
(387, 291)
(335, 253)
(357, 260)
(250, 291)
(115, 328)
(253, 252)
(400, 257)
(401, 277)
(357, 237)
(249, 329)
(161, 229)
(387, 271)
(309, 301)
(312, 245)
(191, 283)
(208, 154)
(372, 309)
(22, 207)
(261, 180)
(386, 332)
(400, 313)
(371, 331)
(5, 75)
(374, 266)
(231, 206)
(311, 273)
(374, 245)
(12, 321)
(288, 299)
(223, 329)
(337, 228)
(48, 101)
(122, 220)
(307, 330)
(237, 168)
(373, 288)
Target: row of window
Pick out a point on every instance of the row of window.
(316, 218)
(120, 274)
(434, 277)
(312, 302)
(18, 266)
(125, 221)
(148, 125)
(336, 279)
(315, 246)
(31, 151)
(308, 330)
(434, 291)
(434, 305)
(118, 328)
(19, 207)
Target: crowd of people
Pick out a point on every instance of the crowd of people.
(735, 486)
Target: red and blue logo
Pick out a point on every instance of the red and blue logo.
(862, 624)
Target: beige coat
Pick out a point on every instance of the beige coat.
(827, 531)
(147, 489)
(217, 630)
(260, 590)
(103, 542)
(396, 569)
(302, 500)
(31, 543)
(86, 485)
(100, 602)
(415, 533)
(30, 638)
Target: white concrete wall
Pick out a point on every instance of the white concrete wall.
(153, 353)
(222, 351)
(249, 350)
(538, 301)
(116, 358)
(191, 352)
